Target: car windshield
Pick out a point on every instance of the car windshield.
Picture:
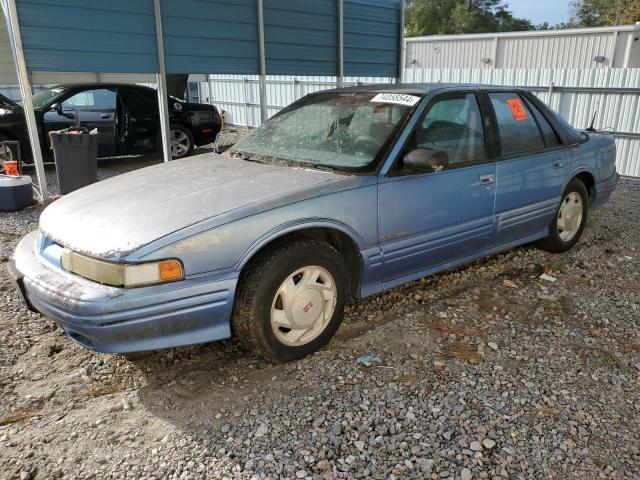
(40, 99)
(342, 131)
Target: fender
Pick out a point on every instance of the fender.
(577, 171)
(291, 227)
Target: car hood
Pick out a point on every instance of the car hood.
(114, 217)
(8, 106)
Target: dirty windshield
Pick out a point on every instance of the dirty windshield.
(342, 131)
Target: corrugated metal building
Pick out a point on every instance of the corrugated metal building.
(585, 48)
(581, 73)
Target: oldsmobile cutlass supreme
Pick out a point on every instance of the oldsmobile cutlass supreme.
(344, 193)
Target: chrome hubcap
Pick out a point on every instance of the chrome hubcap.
(570, 216)
(179, 143)
(303, 306)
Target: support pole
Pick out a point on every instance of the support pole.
(263, 63)
(340, 79)
(402, 53)
(210, 81)
(27, 102)
(161, 80)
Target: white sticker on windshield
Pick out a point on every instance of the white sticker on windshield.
(399, 98)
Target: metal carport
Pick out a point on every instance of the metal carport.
(262, 37)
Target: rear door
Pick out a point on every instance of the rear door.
(530, 169)
(431, 217)
(97, 109)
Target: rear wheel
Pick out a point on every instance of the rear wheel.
(290, 300)
(571, 218)
(181, 140)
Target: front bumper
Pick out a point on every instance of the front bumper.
(116, 320)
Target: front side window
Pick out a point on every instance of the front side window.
(454, 125)
(343, 131)
(517, 128)
(91, 99)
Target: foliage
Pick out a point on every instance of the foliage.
(599, 13)
(441, 17)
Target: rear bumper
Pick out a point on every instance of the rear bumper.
(109, 319)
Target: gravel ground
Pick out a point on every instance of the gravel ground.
(486, 371)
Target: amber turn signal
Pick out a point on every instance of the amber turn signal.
(170, 270)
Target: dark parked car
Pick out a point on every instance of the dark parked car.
(126, 116)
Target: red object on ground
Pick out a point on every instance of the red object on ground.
(11, 168)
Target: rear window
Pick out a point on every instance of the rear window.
(517, 127)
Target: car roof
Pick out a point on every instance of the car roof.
(418, 88)
(75, 86)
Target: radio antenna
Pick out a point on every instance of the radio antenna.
(593, 121)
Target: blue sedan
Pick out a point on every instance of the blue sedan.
(343, 194)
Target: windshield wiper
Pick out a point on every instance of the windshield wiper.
(246, 157)
(325, 168)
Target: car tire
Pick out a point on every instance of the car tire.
(570, 219)
(178, 133)
(290, 299)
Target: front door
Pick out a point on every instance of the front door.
(441, 213)
(531, 169)
(97, 109)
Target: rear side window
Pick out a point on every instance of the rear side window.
(548, 133)
(517, 128)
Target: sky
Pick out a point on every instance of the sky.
(539, 11)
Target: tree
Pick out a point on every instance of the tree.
(599, 13)
(441, 17)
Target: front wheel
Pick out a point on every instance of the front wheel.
(290, 300)
(571, 218)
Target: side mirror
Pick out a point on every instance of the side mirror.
(425, 159)
(57, 107)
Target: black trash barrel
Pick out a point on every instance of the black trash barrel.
(75, 151)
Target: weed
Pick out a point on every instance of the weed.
(16, 417)
(463, 352)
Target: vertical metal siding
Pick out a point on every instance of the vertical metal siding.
(450, 54)
(301, 37)
(81, 36)
(371, 37)
(238, 95)
(202, 36)
(571, 48)
(616, 110)
(567, 51)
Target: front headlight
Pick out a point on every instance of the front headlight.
(122, 274)
(152, 273)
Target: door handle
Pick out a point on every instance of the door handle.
(487, 178)
(105, 115)
(557, 163)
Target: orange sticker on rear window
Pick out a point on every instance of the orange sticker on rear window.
(517, 109)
